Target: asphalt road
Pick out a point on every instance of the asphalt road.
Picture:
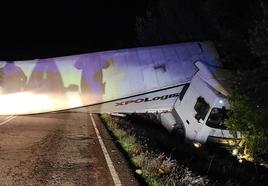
(59, 149)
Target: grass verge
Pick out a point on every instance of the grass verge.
(155, 168)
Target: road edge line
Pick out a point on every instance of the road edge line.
(109, 162)
(7, 120)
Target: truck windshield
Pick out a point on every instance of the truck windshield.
(217, 117)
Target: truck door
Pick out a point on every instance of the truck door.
(193, 110)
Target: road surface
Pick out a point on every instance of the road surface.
(59, 149)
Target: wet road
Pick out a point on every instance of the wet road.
(59, 149)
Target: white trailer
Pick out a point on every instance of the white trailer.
(180, 83)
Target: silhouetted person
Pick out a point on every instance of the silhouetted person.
(12, 78)
(46, 77)
(92, 87)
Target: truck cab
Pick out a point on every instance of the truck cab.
(203, 108)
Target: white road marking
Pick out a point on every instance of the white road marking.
(7, 119)
(109, 162)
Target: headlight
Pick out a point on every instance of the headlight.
(197, 144)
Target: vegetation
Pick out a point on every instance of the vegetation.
(249, 116)
(239, 30)
(156, 168)
(161, 158)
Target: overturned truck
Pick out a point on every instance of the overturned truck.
(183, 84)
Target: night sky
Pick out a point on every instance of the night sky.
(39, 30)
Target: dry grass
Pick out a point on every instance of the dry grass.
(164, 160)
(156, 168)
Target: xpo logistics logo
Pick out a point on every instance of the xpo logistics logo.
(141, 100)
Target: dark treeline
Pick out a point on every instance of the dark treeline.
(239, 30)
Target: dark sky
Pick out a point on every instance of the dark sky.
(37, 30)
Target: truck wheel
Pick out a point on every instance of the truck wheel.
(179, 134)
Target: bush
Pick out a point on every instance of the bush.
(248, 120)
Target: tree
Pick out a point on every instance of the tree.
(250, 122)
(258, 35)
(240, 31)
